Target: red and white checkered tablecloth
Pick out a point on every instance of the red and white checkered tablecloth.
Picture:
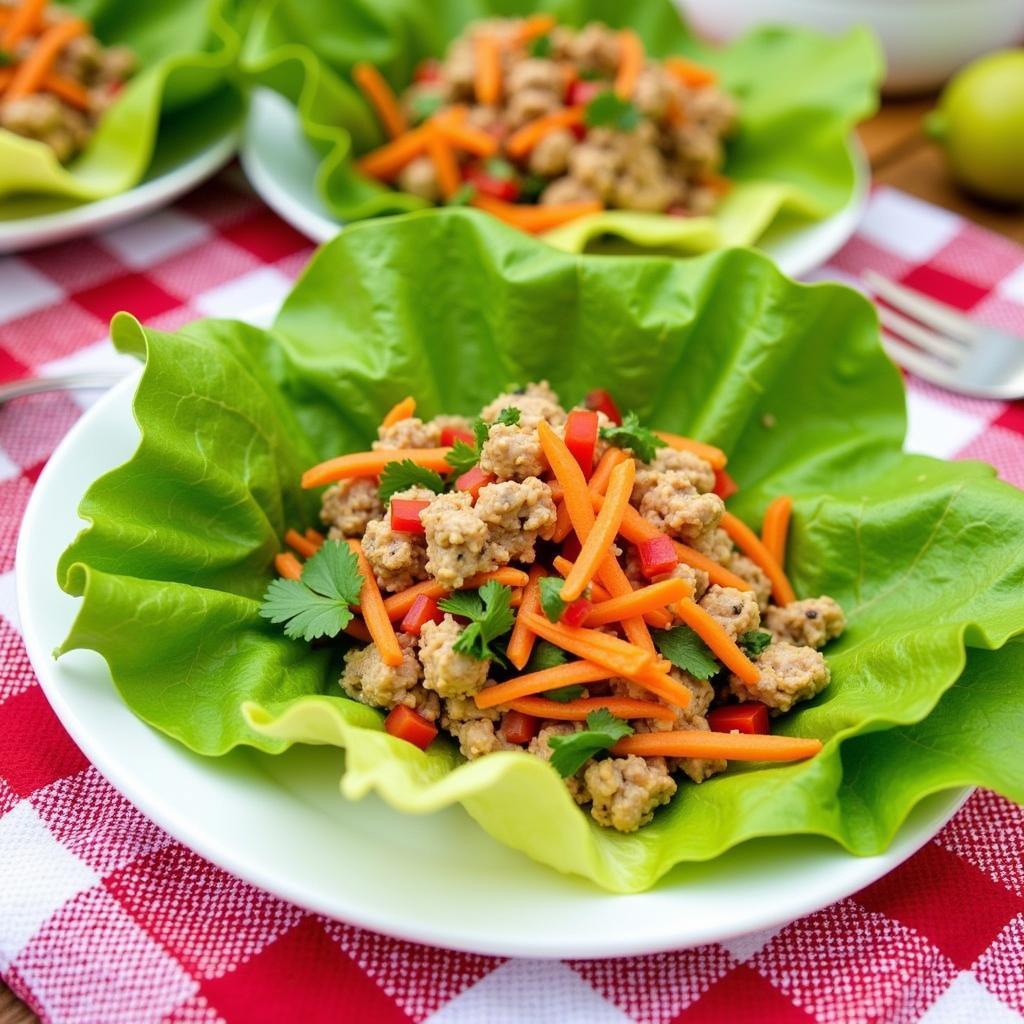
(106, 919)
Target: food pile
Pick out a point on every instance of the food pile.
(539, 124)
(565, 583)
(56, 78)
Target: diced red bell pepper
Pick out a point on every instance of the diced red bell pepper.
(600, 401)
(579, 131)
(576, 613)
(429, 70)
(582, 91)
(449, 435)
(581, 438)
(424, 609)
(725, 486)
(571, 547)
(405, 515)
(657, 556)
(472, 480)
(405, 724)
(518, 728)
(751, 717)
(506, 189)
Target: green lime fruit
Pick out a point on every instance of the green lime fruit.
(980, 122)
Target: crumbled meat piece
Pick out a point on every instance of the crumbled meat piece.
(713, 110)
(366, 678)
(446, 671)
(595, 47)
(44, 118)
(457, 544)
(512, 452)
(550, 157)
(444, 421)
(809, 623)
(398, 559)
(788, 674)
(540, 747)
(697, 152)
(674, 505)
(646, 183)
(479, 737)
(697, 769)
(666, 460)
(595, 165)
(754, 575)
(535, 402)
(716, 544)
(458, 710)
(411, 432)
(458, 69)
(734, 610)
(348, 506)
(627, 790)
(653, 91)
(420, 178)
(697, 578)
(702, 200)
(517, 515)
(567, 190)
(529, 104)
(535, 73)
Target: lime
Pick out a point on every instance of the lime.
(980, 122)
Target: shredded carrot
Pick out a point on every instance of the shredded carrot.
(570, 674)
(656, 679)
(646, 599)
(621, 657)
(398, 604)
(690, 72)
(376, 89)
(297, 542)
(315, 537)
(534, 26)
(371, 463)
(750, 544)
(708, 452)
(67, 90)
(465, 136)
(631, 62)
(517, 597)
(31, 72)
(606, 528)
(487, 78)
(446, 166)
(563, 567)
(714, 635)
(522, 140)
(357, 629)
(718, 183)
(24, 20)
(577, 710)
(288, 566)
(399, 411)
(384, 163)
(520, 643)
(612, 457)
(371, 604)
(776, 527)
(535, 220)
(563, 524)
(729, 746)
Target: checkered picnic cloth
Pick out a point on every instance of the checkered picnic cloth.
(104, 918)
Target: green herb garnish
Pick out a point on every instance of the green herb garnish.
(604, 730)
(400, 476)
(489, 610)
(551, 597)
(463, 195)
(500, 170)
(545, 655)
(608, 110)
(687, 651)
(509, 416)
(541, 47)
(754, 641)
(424, 105)
(629, 434)
(564, 694)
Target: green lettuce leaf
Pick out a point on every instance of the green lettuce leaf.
(924, 556)
(182, 99)
(800, 93)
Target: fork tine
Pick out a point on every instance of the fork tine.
(918, 363)
(928, 311)
(948, 351)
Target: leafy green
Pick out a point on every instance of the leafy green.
(609, 110)
(687, 651)
(489, 610)
(541, 46)
(545, 655)
(754, 641)
(788, 160)
(924, 556)
(630, 434)
(462, 196)
(400, 476)
(564, 694)
(499, 169)
(425, 104)
(6, 58)
(604, 730)
(317, 604)
(463, 457)
(509, 416)
(551, 597)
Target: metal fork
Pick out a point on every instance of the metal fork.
(98, 381)
(945, 348)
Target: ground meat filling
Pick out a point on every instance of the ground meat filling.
(446, 671)
(809, 623)
(366, 678)
(626, 791)
(676, 507)
(734, 610)
(512, 452)
(699, 473)
(517, 515)
(754, 575)
(535, 402)
(457, 543)
(408, 433)
(540, 747)
(348, 507)
(788, 674)
(398, 559)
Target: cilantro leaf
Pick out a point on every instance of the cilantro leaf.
(641, 441)
(462, 196)
(508, 416)
(551, 597)
(490, 614)
(609, 110)
(399, 476)
(500, 170)
(541, 47)
(462, 458)
(564, 694)
(425, 104)
(317, 604)
(687, 651)
(6, 57)
(480, 432)
(754, 641)
(531, 186)
(590, 75)
(545, 655)
(604, 730)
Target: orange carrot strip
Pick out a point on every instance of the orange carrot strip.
(577, 710)
(29, 75)
(631, 62)
(521, 141)
(520, 643)
(730, 746)
(534, 220)
(534, 26)
(776, 526)
(399, 411)
(563, 567)
(750, 544)
(371, 463)
(690, 72)
(398, 604)
(445, 165)
(288, 566)
(357, 629)
(563, 524)
(646, 599)
(722, 645)
(384, 163)
(304, 547)
(374, 86)
(371, 604)
(315, 537)
(603, 470)
(506, 576)
(487, 78)
(656, 679)
(465, 136)
(67, 90)
(708, 452)
(516, 600)
(623, 658)
(570, 674)
(23, 21)
(601, 537)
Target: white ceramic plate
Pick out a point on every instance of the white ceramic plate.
(281, 165)
(280, 822)
(22, 233)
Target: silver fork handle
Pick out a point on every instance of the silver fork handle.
(98, 381)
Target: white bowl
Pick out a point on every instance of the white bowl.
(925, 41)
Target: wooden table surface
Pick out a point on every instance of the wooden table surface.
(900, 156)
